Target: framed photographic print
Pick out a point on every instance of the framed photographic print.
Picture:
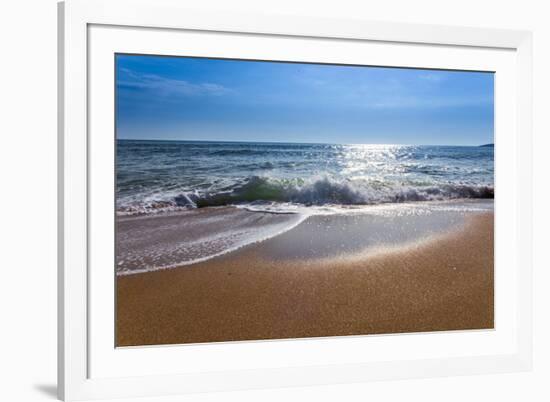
(258, 201)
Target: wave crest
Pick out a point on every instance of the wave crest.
(316, 192)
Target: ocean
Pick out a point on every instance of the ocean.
(155, 176)
(182, 202)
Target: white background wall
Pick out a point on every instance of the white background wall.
(28, 198)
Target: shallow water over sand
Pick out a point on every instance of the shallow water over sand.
(160, 241)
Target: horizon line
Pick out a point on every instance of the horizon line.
(299, 143)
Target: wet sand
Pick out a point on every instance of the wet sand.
(444, 283)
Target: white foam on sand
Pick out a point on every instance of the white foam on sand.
(151, 243)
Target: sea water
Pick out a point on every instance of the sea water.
(157, 176)
(179, 203)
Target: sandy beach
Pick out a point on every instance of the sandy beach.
(256, 292)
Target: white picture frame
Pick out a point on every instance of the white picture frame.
(78, 330)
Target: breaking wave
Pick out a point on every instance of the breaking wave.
(313, 192)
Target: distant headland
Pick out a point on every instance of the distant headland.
(488, 145)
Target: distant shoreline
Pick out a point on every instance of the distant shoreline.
(295, 143)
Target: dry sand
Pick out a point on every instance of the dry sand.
(442, 284)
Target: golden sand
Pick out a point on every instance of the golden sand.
(441, 284)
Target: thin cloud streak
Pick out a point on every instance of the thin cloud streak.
(166, 86)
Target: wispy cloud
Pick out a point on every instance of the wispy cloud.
(167, 86)
(406, 93)
(432, 77)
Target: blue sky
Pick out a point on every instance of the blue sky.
(180, 98)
